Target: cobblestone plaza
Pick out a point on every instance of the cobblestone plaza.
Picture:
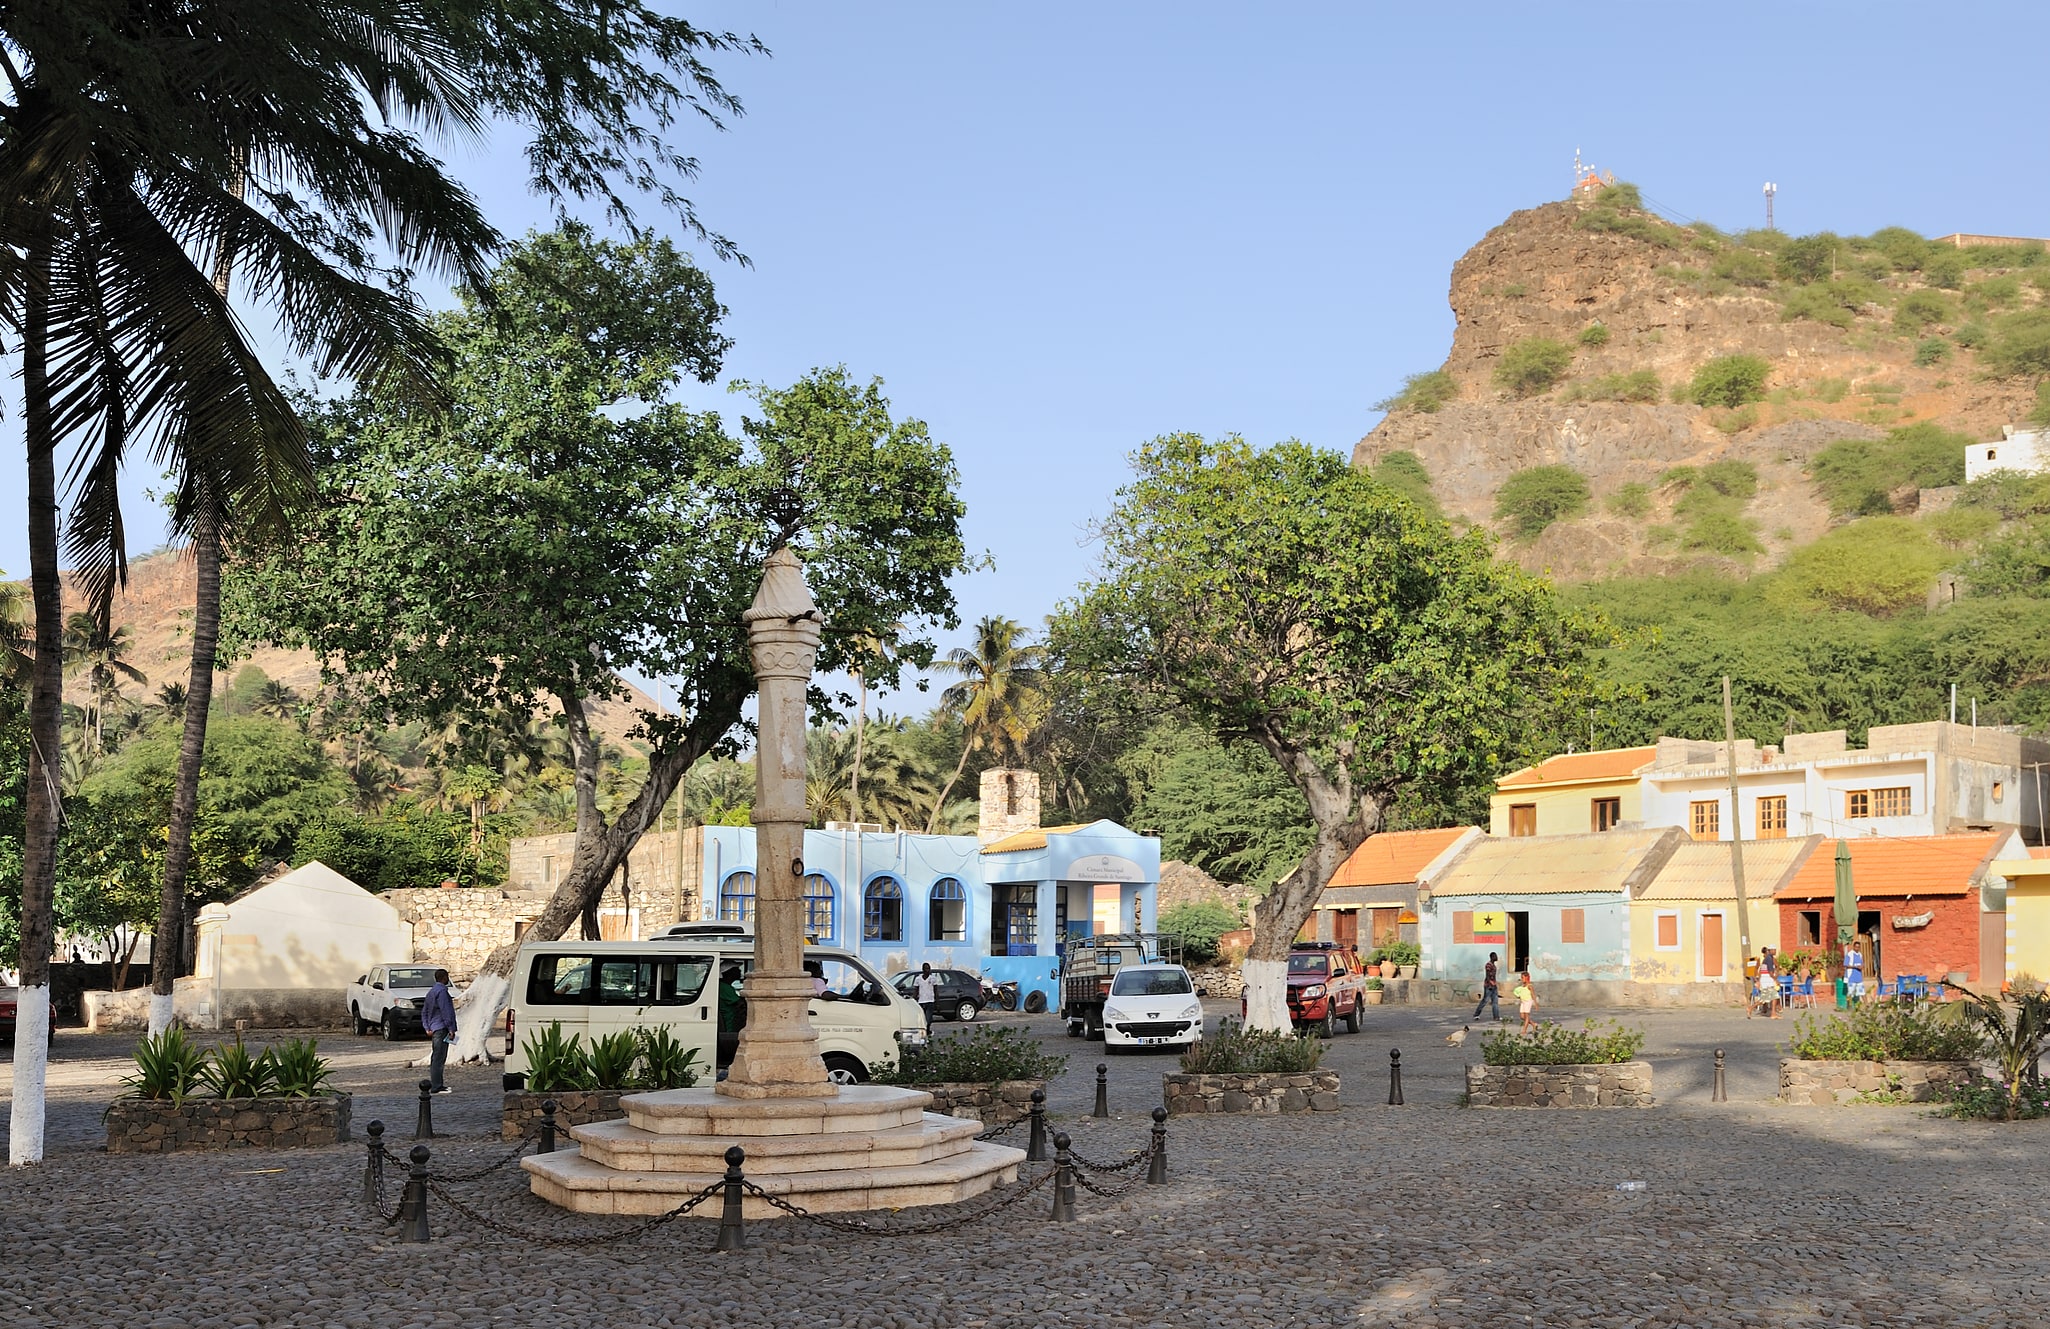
(1425, 1215)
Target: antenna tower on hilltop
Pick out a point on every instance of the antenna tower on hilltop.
(1770, 190)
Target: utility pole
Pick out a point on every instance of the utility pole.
(1770, 190)
(1736, 833)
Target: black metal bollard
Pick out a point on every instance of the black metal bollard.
(1722, 1093)
(423, 1128)
(547, 1125)
(732, 1231)
(1394, 1077)
(413, 1207)
(1102, 1091)
(1156, 1171)
(1063, 1181)
(373, 1167)
(1035, 1144)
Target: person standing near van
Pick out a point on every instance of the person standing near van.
(928, 989)
(1491, 990)
(438, 1018)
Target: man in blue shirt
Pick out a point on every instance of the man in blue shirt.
(438, 1018)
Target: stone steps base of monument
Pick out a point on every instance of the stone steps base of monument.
(857, 1107)
(569, 1180)
(626, 1147)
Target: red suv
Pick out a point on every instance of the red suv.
(1325, 983)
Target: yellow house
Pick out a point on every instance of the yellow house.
(1684, 924)
(1572, 794)
(2028, 916)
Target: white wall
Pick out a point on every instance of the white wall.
(1814, 792)
(2024, 450)
(311, 928)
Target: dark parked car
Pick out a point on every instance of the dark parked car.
(957, 994)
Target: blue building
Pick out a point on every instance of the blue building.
(1001, 903)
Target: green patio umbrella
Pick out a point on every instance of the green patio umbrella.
(1846, 898)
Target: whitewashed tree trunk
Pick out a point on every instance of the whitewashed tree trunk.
(31, 1072)
(162, 1007)
(477, 1017)
(1266, 994)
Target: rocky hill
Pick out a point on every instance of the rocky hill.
(1859, 344)
(156, 608)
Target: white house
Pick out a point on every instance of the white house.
(2022, 450)
(283, 953)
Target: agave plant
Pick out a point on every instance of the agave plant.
(666, 1063)
(2015, 1042)
(234, 1073)
(555, 1063)
(613, 1058)
(298, 1069)
(167, 1066)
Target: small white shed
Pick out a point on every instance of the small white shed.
(283, 954)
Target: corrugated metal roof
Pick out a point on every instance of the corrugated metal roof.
(1908, 865)
(1613, 764)
(1032, 839)
(1700, 870)
(1394, 857)
(1555, 864)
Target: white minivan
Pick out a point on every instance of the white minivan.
(595, 988)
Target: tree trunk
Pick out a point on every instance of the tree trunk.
(1342, 822)
(45, 716)
(167, 947)
(967, 746)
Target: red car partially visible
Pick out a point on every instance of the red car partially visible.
(7, 1005)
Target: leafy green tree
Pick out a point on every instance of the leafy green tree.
(583, 525)
(997, 696)
(1228, 810)
(2020, 345)
(410, 847)
(1729, 380)
(1919, 310)
(1531, 366)
(1879, 566)
(1200, 924)
(1404, 472)
(1280, 597)
(1809, 258)
(1858, 476)
(1532, 499)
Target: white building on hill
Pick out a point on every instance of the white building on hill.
(2024, 451)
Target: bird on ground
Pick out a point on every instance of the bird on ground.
(1453, 1040)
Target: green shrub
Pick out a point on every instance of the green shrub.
(1404, 472)
(1679, 477)
(1533, 365)
(611, 1059)
(1745, 267)
(1423, 393)
(1919, 310)
(1983, 1100)
(1878, 566)
(2008, 494)
(1200, 923)
(1729, 380)
(1594, 335)
(1403, 952)
(665, 1062)
(1961, 527)
(556, 1064)
(1858, 475)
(1556, 1045)
(2020, 345)
(1971, 336)
(298, 1069)
(2018, 563)
(1722, 533)
(1885, 1032)
(167, 1066)
(1818, 304)
(1903, 248)
(1733, 479)
(1931, 351)
(1236, 1050)
(987, 1054)
(1633, 500)
(1530, 500)
(1995, 292)
(1945, 268)
(234, 1073)
(1830, 391)
(1641, 385)
(2039, 414)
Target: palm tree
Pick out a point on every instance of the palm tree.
(16, 633)
(277, 700)
(998, 699)
(865, 647)
(170, 701)
(92, 649)
(373, 781)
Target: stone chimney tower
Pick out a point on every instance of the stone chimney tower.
(1010, 803)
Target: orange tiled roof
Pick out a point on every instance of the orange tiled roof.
(1394, 857)
(1910, 865)
(1613, 764)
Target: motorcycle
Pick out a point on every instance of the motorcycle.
(1003, 994)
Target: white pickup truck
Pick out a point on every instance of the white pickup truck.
(388, 999)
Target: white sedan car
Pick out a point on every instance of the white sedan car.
(1150, 1006)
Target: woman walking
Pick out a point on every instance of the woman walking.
(1526, 1002)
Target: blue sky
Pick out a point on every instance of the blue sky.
(1058, 230)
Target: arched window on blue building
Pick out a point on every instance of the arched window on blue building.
(947, 915)
(882, 910)
(737, 899)
(818, 908)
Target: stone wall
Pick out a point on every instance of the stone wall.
(458, 929)
(997, 1104)
(520, 1118)
(1575, 993)
(159, 1126)
(1826, 1083)
(1624, 1084)
(663, 873)
(1303, 1091)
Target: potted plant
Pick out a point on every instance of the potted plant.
(1405, 955)
(1374, 991)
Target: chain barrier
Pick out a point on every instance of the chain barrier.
(840, 1223)
(386, 1180)
(1144, 1156)
(488, 1169)
(999, 1132)
(572, 1242)
(1111, 1192)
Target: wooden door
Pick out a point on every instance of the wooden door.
(1711, 946)
(1346, 931)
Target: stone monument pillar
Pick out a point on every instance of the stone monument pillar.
(778, 1055)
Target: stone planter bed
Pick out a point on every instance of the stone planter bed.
(161, 1126)
(1623, 1084)
(1827, 1083)
(997, 1104)
(520, 1119)
(1280, 1091)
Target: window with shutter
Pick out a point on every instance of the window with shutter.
(1462, 927)
(1667, 934)
(1772, 818)
(1573, 926)
(1704, 819)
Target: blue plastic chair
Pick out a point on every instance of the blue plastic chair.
(1806, 992)
(1786, 992)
